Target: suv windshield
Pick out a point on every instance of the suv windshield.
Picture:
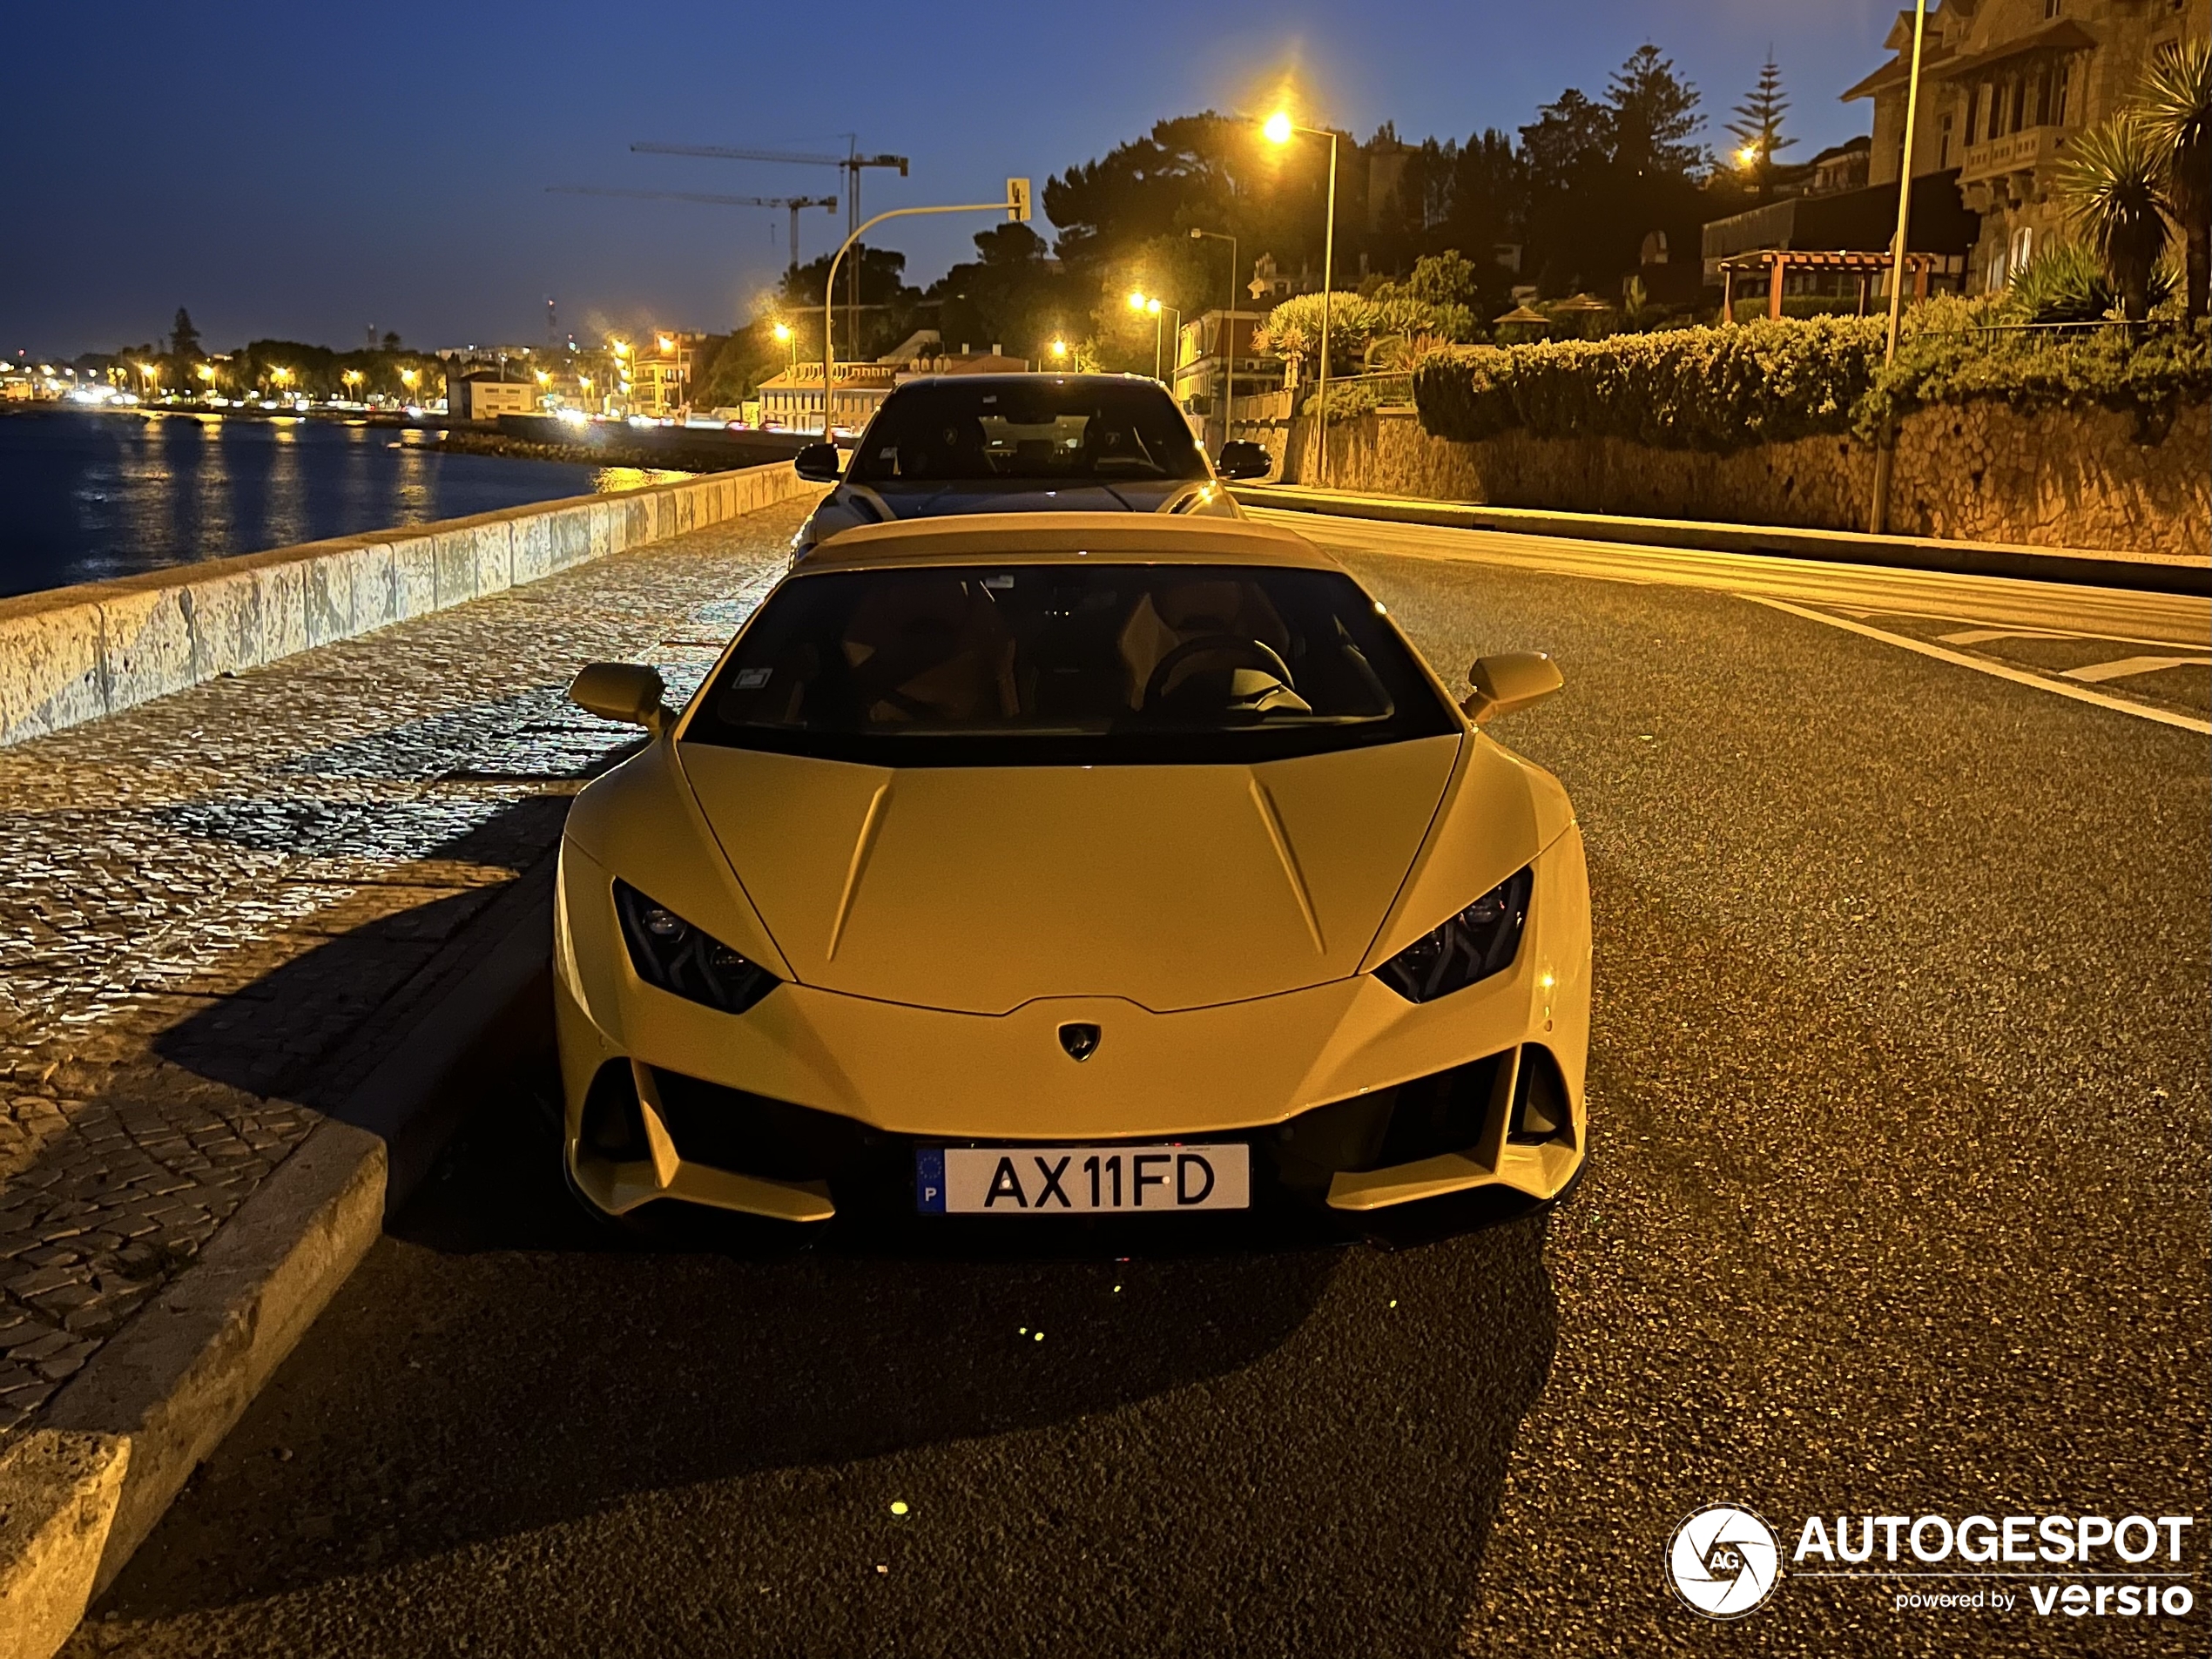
(1059, 665)
(943, 432)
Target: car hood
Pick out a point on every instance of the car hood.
(978, 890)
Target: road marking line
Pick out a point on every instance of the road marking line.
(2097, 672)
(1983, 635)
(2079, 693)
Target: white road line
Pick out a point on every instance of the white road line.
(2178, 620)
(1983, 635)
(2079, 693)
(2095, 673)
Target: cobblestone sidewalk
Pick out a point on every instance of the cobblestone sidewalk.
(202, 897)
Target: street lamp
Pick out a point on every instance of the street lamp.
(1058, 352)
(352, 378)
(408, 378)
(1279, 128)
(1015, 208)
(1228, 330)
(1152, 306)
(790, 343)
(152, 373)
(1878, 517)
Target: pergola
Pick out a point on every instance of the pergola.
(1774, 263)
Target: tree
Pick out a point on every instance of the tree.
(184, 339)
(1757, 127)
(1655, 117)
(392, 341)
(2177, 120)
(2113, 183)
(1011, 296)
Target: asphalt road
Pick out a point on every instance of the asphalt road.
(1897, 1206)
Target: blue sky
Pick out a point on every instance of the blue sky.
(305, 171)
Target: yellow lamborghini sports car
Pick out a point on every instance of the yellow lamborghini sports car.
(1064, 865)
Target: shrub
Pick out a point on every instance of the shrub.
(2149, 371)
(1725, 389)
(1687, 388)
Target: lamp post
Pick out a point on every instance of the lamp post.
(352, 378)
(1278, 128)
(1015, 206)
(1878, 515)
(1058, 352)
(1228, 332)
(1152, 306)
(408, 379)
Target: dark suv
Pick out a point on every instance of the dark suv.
(1017, 443)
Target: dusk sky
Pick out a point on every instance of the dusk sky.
(308, 171)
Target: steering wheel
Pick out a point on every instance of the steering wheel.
(1252, 653)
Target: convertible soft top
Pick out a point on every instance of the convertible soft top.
(1001, 538)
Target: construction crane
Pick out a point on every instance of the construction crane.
(854, 162)
(794, 202)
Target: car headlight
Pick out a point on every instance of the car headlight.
(669, 952)
(1479, 941)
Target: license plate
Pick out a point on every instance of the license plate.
(1082, 1180)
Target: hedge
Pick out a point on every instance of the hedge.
(1723, 389)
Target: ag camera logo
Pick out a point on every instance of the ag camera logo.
(1724, 1562)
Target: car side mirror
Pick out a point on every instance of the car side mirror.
(818, 463)
(630, 692)
(1510, 680)
(1242, 459)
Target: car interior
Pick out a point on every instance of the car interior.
(1046, 647)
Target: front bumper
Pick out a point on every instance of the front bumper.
(812, 1100)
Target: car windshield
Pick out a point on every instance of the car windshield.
(1068, 663)
(944, 432)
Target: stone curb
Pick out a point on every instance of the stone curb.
(82, 1492)
(2145, 572)
(83, 1489)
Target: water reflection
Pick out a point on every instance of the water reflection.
(89, 494)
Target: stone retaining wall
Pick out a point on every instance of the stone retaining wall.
(1975, 472)
(72, 654)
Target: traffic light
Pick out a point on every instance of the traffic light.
(1017, 201)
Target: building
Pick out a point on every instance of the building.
(1850, 221)
(661, 368)
(1205, 348)
(792, 400)
(1271, 285)
(484, 396)
(2004, 86)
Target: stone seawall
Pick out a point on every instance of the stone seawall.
(74, 654)
(1974, 472)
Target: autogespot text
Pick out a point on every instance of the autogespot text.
(2070, 1566)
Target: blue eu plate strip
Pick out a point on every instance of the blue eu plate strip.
(930, 1180)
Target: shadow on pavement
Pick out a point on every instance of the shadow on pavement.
(502, 1368)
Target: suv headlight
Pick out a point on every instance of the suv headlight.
(1479, 941)
(669, 952)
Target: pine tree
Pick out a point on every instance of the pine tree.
(1758, 126)
(184, 339)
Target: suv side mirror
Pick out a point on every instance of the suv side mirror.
(818, 463)
(1242, 459)
(1510, 680)
(630, 692)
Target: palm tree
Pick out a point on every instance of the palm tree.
(2177, 103)
(2113, 183)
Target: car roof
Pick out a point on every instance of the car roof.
(1026, 539)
